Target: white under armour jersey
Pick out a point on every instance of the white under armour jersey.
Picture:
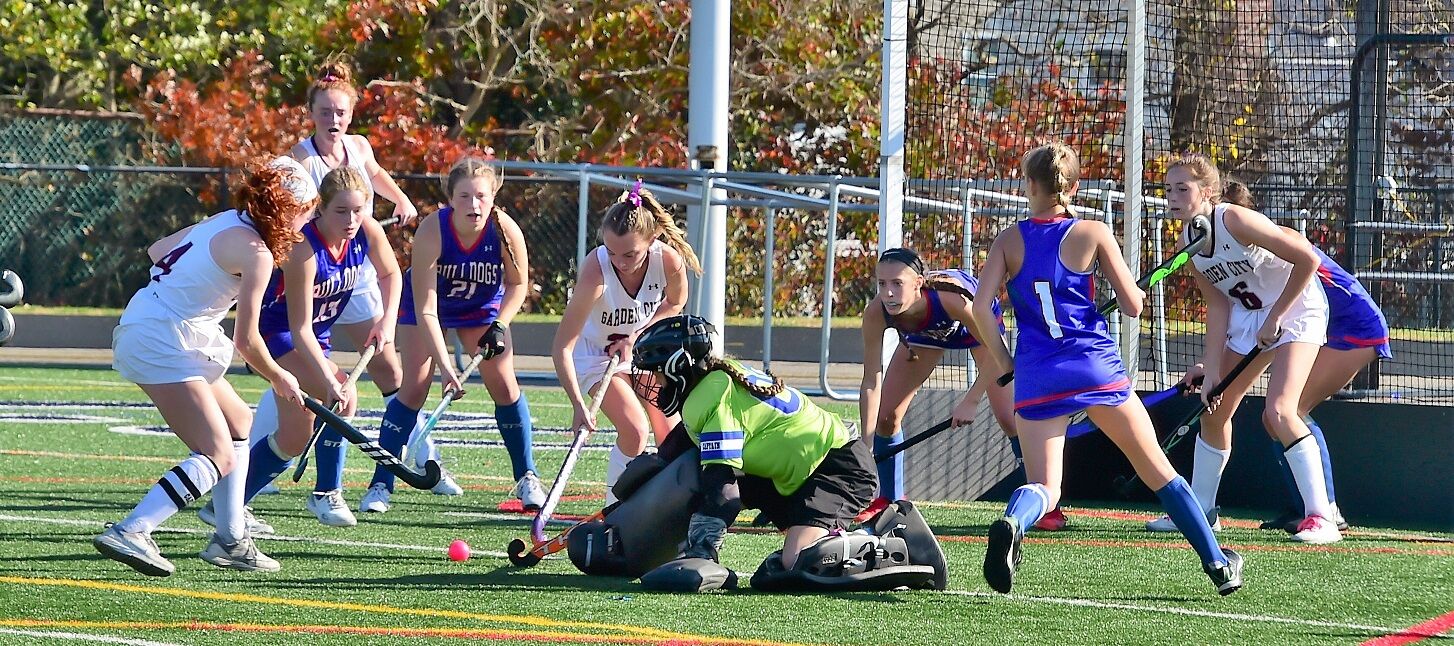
(317, 169)
(1252, 277)
(187, 283)
(617, 313)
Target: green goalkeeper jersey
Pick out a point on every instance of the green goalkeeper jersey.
(782, 438)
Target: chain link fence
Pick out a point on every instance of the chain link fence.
(1264, 88)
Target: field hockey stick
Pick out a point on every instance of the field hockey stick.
(1080, 423)
(363, 362)
(583, 432)
(909, 443)
(426, 480)
(1151, 278)
(1124, 484)
(417, 443)
(523, 556)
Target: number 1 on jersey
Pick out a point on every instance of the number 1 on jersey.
(1047, 308)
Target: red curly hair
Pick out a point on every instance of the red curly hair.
(265, 198)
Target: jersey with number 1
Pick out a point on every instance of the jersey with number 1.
(471, 278)
(782, 438)
(333, 284)
(1064, 356)
(1252, 277)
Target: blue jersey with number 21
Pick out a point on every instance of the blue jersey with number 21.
(1065, 359)
(470, 285)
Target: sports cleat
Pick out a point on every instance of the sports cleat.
(1316, 530)
(1226, 576)
(1165, 524)
(269, 488)
(242, 555)
(1051, 522)
(879, 504)
(376, 499)
(136, 549)
(208, 514)
(530, 492)
(446, 485)
(1002, 556)
(330, 508)
(1289, 520)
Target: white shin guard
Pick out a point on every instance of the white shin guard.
(1208, 462)
(614, 468)
(264, 419)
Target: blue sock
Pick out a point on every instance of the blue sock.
(264, 465)
(398, 423)
(1327, 461)
(328, 460)
(890, 471)
(1028, 503)
(1019, 460)
(1179, 502)
(516, 429)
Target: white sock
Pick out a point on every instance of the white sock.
(1208, 462)
(176, 489)
(1306, 464)
(430, 451)
(614, 468)
(227, 496)
(265, 419)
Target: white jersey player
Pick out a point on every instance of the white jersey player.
(631, 281)
(1252, 279)
(170, 342)
(1258, 281)
(331, 99)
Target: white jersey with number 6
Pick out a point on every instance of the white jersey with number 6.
(617, 313)
(1252, 278)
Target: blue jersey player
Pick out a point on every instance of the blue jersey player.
(930, 311)
(302, 301)
(1066, 361)
(468, 274)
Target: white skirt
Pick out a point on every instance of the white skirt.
(366, 303)
(1302, 324)
(590, 362)
(168, 351)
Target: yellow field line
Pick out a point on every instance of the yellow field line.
(528, 620)
(460, 633)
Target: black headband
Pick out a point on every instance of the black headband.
(904, 256)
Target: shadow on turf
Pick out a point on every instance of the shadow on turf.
(525, 580)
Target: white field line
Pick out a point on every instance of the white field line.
(1186, 612)
(262, 537)
(104, 639)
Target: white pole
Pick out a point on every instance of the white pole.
(1135, 135)
(891, 138)
(707, 103)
